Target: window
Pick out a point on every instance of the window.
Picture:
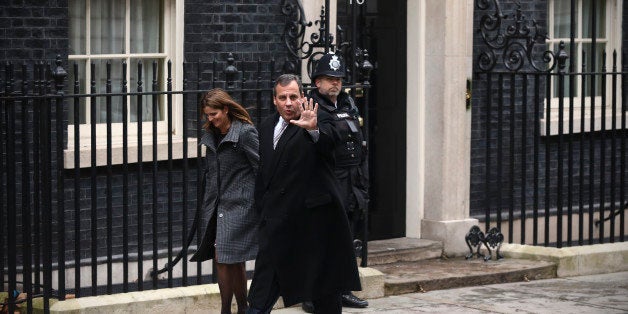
(118, 31)
(605, 15)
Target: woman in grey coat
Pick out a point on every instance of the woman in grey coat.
(227, 215)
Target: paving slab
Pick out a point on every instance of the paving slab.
(605, 293)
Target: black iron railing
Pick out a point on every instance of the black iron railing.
(84, 215)
(554, 134)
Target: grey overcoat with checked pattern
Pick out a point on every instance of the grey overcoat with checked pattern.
(230, 170)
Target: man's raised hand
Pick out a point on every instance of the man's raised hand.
(308, 119)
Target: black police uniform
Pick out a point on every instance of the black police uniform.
(351, 162)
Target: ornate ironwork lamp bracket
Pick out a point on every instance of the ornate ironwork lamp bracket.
(294, 35)
(514, 38)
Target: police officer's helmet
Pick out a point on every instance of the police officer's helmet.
(329, 64)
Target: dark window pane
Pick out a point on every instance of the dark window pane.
(147, 85)
(107, 24)
(589, 20)
(77, 27)
(146, 26)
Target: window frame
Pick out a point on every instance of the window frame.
(612, 40)
(172, 41)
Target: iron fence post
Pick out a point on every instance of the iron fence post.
(46, 186)
(11, 208)
(562, 64)
(59, 75)
(365, 70)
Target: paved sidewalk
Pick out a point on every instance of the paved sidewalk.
(606, 293)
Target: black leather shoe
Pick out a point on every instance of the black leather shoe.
(350, 300)
(308, 306)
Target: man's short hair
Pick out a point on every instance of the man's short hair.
(286, 79)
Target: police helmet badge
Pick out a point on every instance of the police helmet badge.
(334, 63)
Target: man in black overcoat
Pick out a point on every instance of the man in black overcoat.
(305, 245)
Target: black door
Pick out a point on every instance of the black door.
(382, 30)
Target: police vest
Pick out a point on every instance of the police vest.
(349, 151)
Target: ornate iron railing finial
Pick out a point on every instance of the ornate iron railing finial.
(364, 65)
(230, 71)
(59, 74)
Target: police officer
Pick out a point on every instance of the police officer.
(351, 162)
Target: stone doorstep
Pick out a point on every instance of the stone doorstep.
(438, 274)
(521, 263)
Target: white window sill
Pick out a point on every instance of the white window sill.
(577, 120)
(85, 160)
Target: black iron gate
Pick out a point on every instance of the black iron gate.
(549, 133)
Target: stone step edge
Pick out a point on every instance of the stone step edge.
(398, 287)
(401, 257)
(576, 260)
(431, 251)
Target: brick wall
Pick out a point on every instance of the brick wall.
(251, 30)
(33, 30)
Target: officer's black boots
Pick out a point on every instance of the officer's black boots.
(350, 300)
